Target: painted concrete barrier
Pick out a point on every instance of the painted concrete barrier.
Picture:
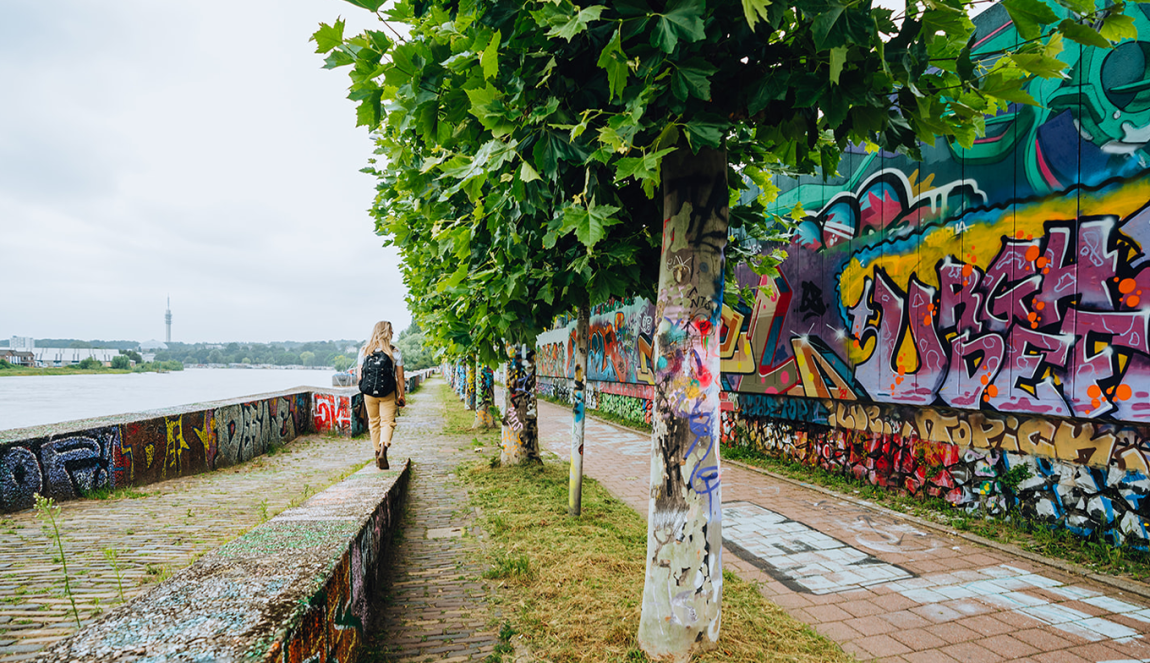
(297, 588)
(64, 461)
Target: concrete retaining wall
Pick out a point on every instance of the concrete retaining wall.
(297, 588)
(63, 461)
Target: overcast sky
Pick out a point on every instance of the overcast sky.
(191, 149)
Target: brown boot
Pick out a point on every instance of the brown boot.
(377, 463)
(383, 465)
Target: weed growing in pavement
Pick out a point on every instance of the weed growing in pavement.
(113, 557)
(109, 493)
(46, 511)
(263, 508)
(1015, 529)
(158, 572)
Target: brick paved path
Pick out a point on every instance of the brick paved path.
(436, 608)
(881, 586)
(155, 535)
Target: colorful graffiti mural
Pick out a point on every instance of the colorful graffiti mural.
(620, 344)
(67, 464)
(339, 412)
(939, 322)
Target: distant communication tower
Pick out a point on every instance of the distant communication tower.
(168, 321)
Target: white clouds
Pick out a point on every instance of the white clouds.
(195, 149)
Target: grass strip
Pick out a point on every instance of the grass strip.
(1014, 529)
(572, 587)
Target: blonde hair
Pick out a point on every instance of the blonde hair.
(380, 340)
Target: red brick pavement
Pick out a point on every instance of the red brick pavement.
(883, 587)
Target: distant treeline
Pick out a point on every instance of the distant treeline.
(339, 354)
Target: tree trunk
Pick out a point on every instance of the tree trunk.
(469, 387)
(684, 581)
(485, 395)
(575, 494)
(520, 426)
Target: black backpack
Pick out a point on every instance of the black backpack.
(377, 377)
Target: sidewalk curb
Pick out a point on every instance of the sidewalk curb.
(1124, 584)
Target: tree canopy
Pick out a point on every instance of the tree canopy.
(520, 143)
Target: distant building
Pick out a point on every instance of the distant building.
(22, 343)
(168, 321)
(153, 345)
(18, 357)
(70, 356)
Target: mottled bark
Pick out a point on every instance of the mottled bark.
(520, 425)
(485, 396)
(575, 493)
(469, 387)
(684, 581)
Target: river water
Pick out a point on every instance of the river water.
(51, 399)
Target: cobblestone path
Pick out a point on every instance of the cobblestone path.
(437, 607)
(882, 586)
(163, 530)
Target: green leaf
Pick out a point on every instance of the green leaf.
(692, 78)
(328, 36)
(706, 130)
(838, 59)
(565, 25)
(1080, 7)
(1117, 27)
(489, 60)
(379, 40)
(755, 10)
(1029, 16)
(527, 173)
(964, 65)
(367, 114)
(682, 20)
(590, 224)
(372, 5)
(614, 60)
(1083, 34)
(644, 167)
(822, 26)
(487, 106)
(337, 59)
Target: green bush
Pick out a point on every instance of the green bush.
(89, 363)
(121, 362)
(4, 363)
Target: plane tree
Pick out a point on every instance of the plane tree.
(522, 146)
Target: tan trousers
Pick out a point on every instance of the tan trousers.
(380, 419)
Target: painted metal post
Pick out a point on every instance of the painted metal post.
(684, 580)
(485, 395)
(575, 492)
(469, 386)
(520, 425)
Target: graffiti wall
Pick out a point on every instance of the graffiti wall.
(619, 349)
(339, 411)
(972, 325)
(943, 324)
(162, 445)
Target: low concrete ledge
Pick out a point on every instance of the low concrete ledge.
(297, 588)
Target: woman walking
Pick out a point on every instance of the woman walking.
(380, 367)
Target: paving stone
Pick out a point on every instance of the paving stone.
(161, 533)
(437, 606)
(953, 592)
